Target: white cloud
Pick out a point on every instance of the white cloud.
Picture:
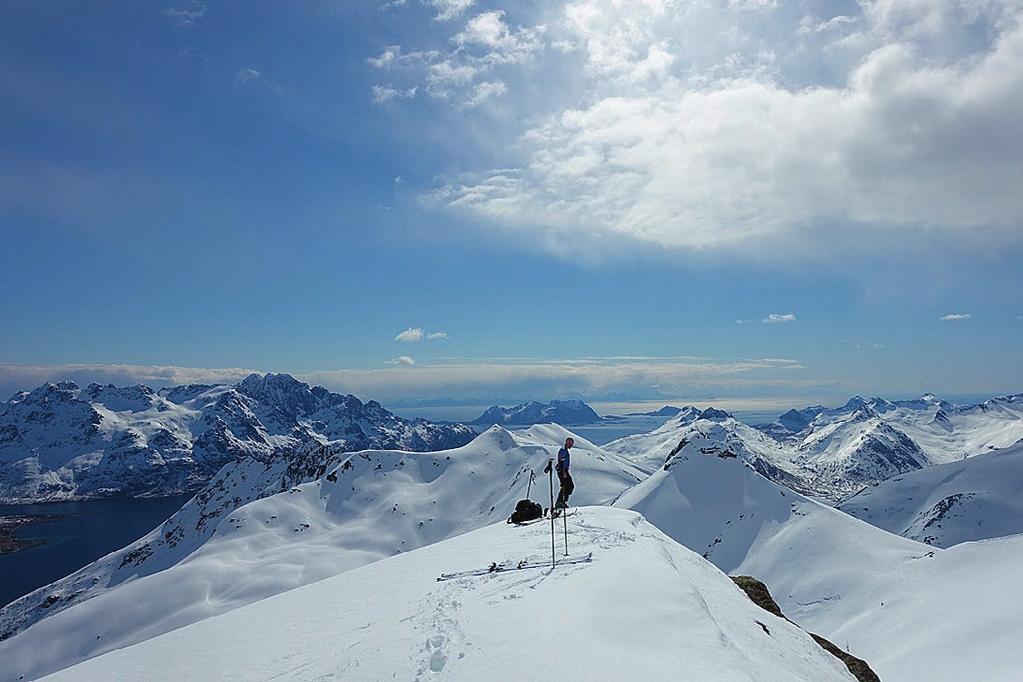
(436, 336)
(778, 318)
(450, 9)
(402, 360)
(809, 24)
(188, 14)
(410, 335)
(682, 149)
(751, 5)
(385, 93)
(484, 91)
(955, 316)
(247, 75)
(460, 73)
(501, 43)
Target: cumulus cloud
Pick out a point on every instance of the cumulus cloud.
(410, 335)
(463, 71)
(917, 132)
(417, 334)
(402, 360)
(955, 316)
(450, 9)
(778, 318)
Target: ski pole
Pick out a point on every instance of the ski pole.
(564, 517)
(530, 483)
(550, 479)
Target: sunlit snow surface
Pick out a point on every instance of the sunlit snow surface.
(645, 608)
(972, 499)
(221, 555)
(914, 612)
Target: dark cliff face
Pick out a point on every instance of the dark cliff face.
(63, 442)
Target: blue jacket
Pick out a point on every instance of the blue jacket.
(563, 458)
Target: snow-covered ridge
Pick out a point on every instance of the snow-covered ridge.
(63, 442)
(644, 608)
(914, 612)
(263, 527)
(972, 499)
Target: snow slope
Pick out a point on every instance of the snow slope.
(645, 608)
(890, 600)
(972, 499)
(62, 442)
(259, 529)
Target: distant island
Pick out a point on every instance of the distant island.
(565, 412)
(666, 411)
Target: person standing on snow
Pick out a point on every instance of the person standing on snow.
(564, 477)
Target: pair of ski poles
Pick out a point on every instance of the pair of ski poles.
(564, 517)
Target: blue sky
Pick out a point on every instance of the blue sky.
(589, 198)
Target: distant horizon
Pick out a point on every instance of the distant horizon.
(455, 409)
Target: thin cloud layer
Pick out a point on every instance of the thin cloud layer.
(405, 379)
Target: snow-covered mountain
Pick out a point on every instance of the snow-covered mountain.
(971, 499)
(262, 527)
(943, 431)
(644, 608)
(912, 611)
(839, 457)
(567, 412)
(835, 453)
(63, 442)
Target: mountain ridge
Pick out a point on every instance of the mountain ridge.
(63, 442)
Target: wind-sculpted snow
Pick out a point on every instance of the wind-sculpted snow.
(912, 611)
(262, 527)
(644, 608)
(62, 442)
(972, 499)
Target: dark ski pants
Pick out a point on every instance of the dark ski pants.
(567, 486)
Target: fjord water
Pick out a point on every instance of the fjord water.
(85, 532)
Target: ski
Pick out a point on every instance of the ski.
(523, 565)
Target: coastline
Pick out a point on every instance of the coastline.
(9, 526)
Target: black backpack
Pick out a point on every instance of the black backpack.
(526, 510)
